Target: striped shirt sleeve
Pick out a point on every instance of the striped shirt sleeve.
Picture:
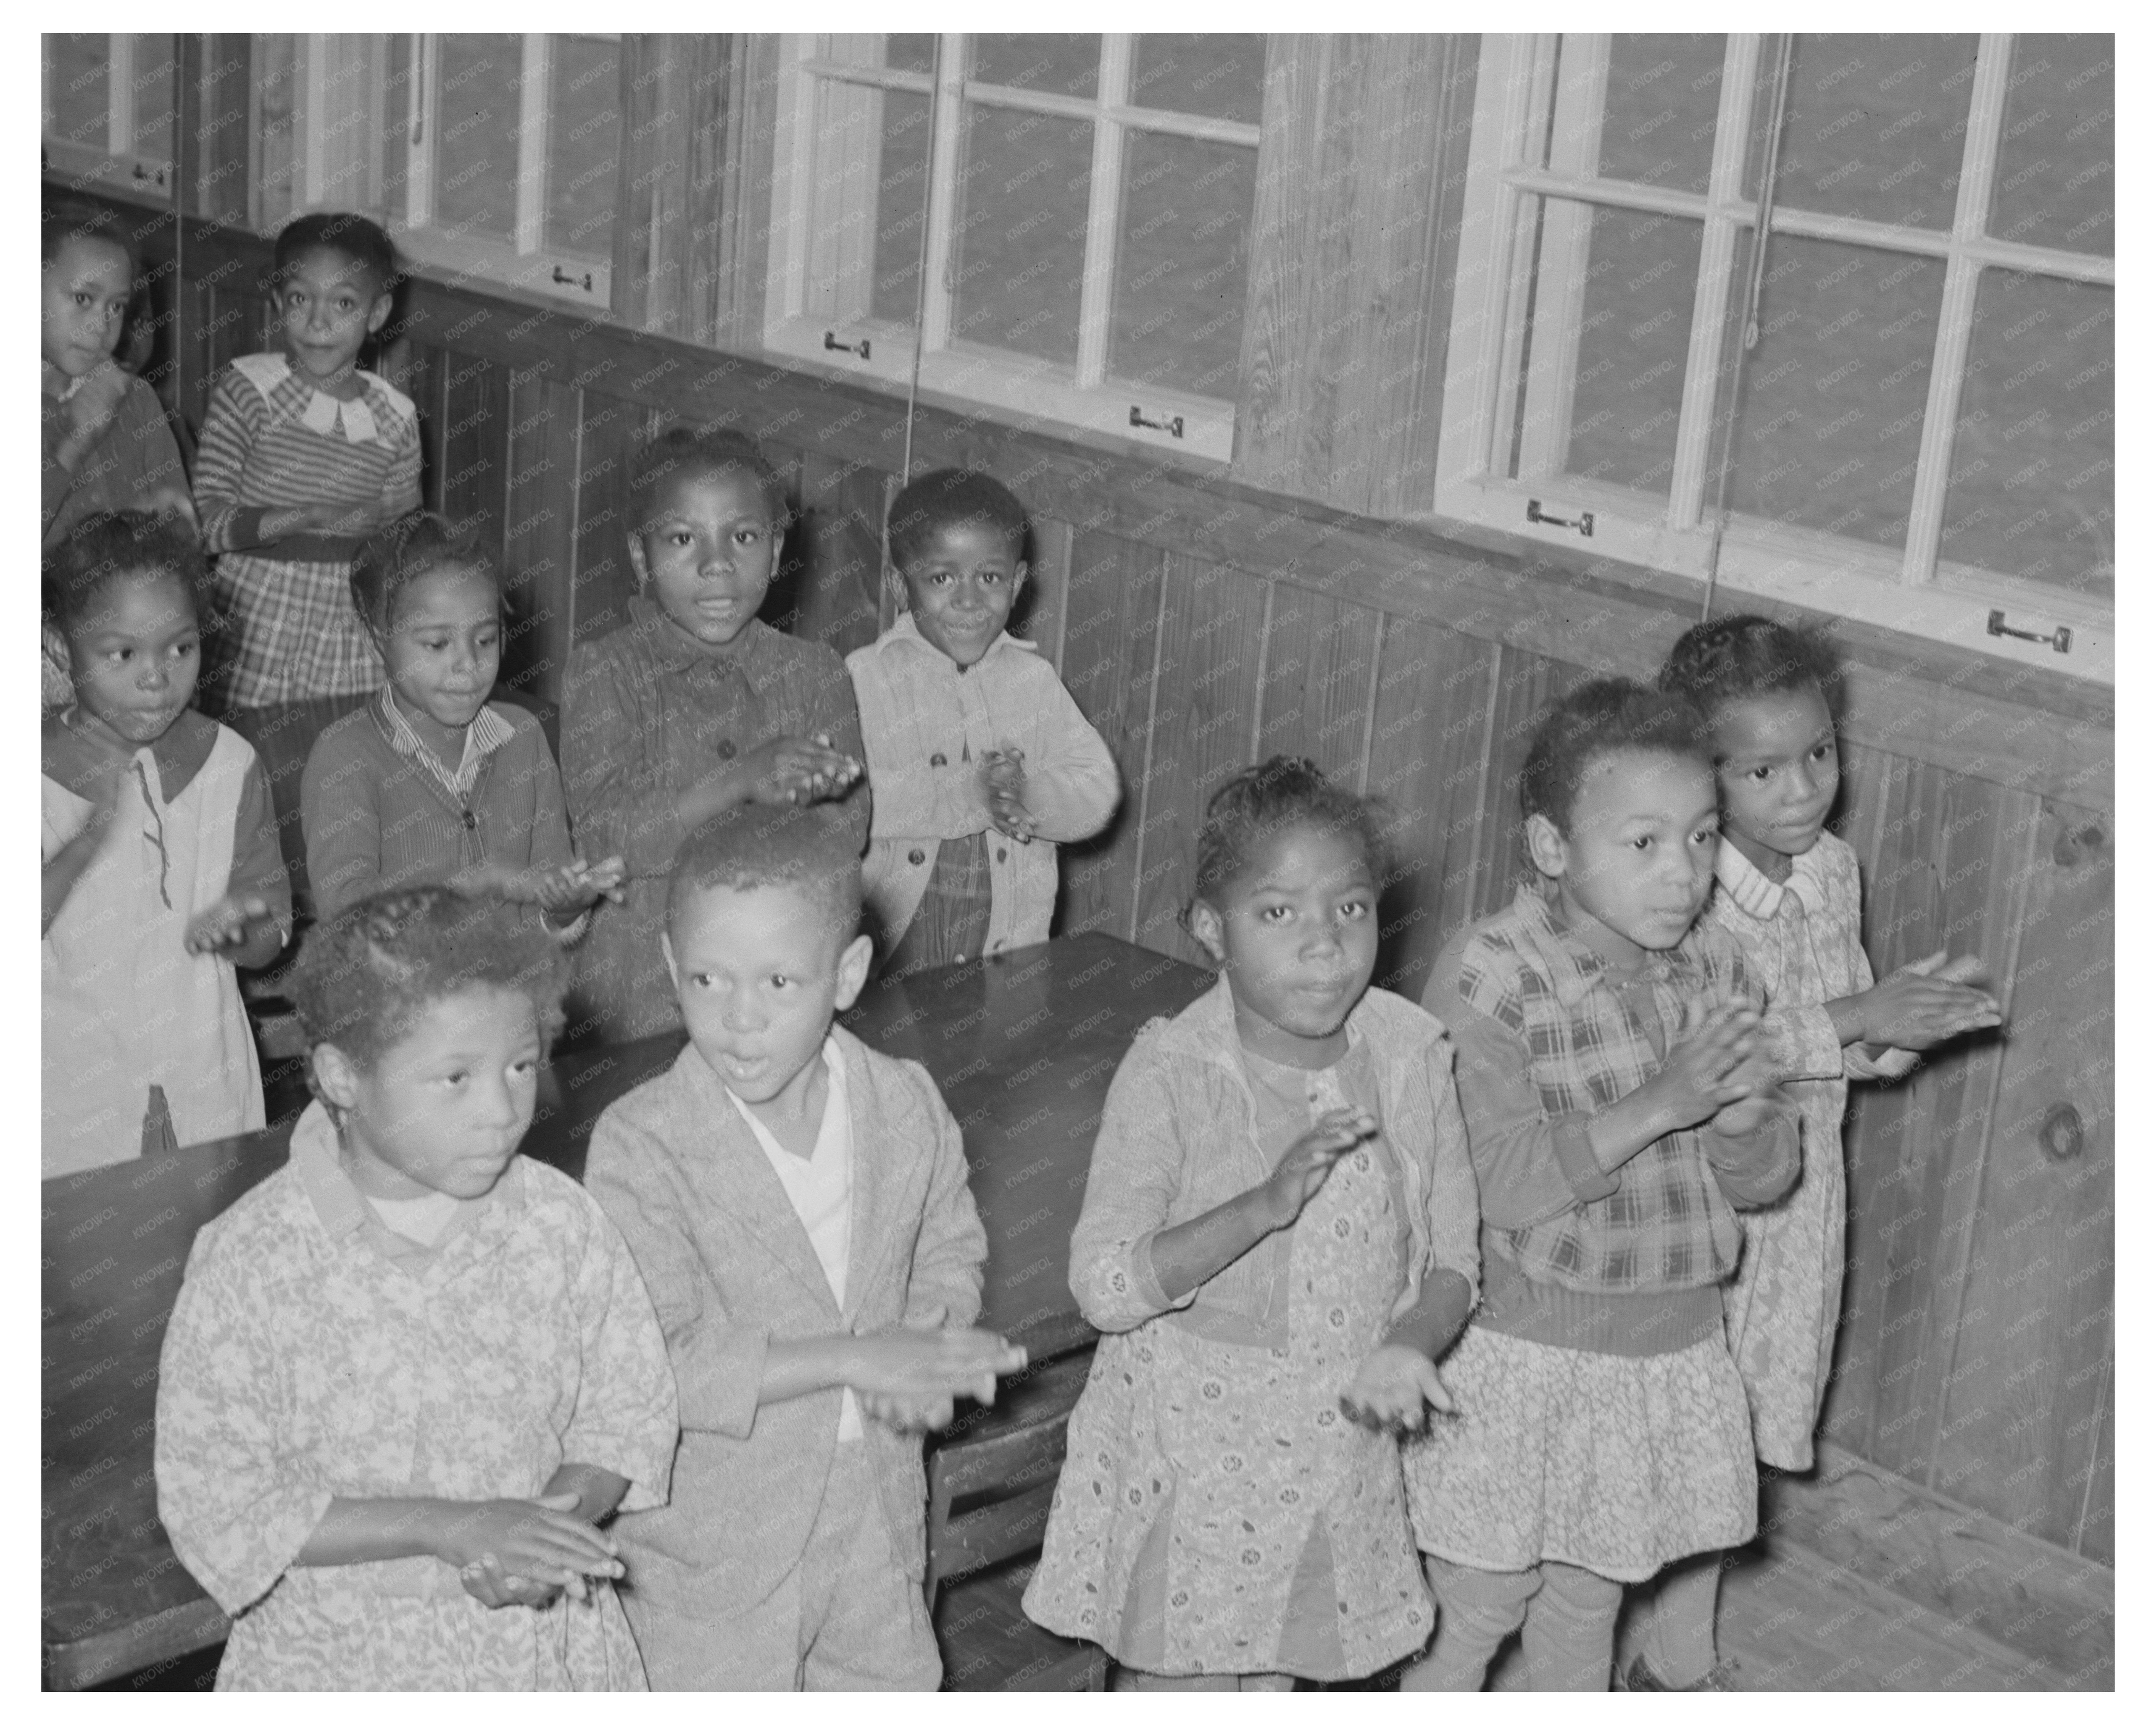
(236, 416)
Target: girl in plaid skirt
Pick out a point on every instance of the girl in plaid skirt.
(303, 454)
(1618, 1106)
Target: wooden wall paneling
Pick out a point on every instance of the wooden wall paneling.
(1321, 665)
(610, 431)
(1110, 664)
(1211, 651)
(1522, 685)
(2094, 1535)
(837, 546)
(539, 538)
(475, 443)
(1428, 735)
(2026, 1390)
(1043, 608)
(416, 367)
(1350, 290)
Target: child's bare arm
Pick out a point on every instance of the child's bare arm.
(1399, 1379)
(540, 1536)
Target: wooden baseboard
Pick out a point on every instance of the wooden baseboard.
(2025, 1594)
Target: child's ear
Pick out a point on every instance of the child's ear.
(1206, 930)
(853, 972)
(1019, 571)
(334, 1075)
(378, 315)
(1547, 849)
(666, 951)
(636, 557)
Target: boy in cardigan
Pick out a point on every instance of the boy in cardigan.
(980, 761)
(797, 1203)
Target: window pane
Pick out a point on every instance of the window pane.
(1222, 76)
(1068, 65)
(910, 54)
(1020, 238)
(476, 144)
(1833, 405)
(76, 88)
(1658, 122)
(156, 87)
(1633, 302)
(1874, 126)
(2054, 184)
(901, 174)
(2029, 493)
(1182, 263)
(584, 131)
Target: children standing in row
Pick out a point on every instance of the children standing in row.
(797, 1205)
(303, 454)
(410, 1371)
(160, 867)
(693, 707)
(979, 762)
(1278, 1239)
(1618, 1108)
(1788, 892)
(432, 781)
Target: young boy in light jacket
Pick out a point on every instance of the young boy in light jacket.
(979, 761)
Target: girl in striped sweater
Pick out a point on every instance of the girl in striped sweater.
(303, 454)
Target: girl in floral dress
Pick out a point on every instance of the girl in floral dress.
(410, 1373)
(1278, 1240)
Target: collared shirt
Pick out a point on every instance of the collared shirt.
(313, 1354)
(1550, 1035)
(821, 1187)
(486, 733)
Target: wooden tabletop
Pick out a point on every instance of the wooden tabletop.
(1023, 1046)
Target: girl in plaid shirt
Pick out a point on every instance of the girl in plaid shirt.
(1619, 1107)
(303, 454)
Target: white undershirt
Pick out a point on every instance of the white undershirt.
(423, 1220)
(821, 1187)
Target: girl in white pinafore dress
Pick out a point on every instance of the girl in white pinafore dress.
(161, 866)
(1278, 1239)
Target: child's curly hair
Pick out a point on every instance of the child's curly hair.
(951, 497)
(805, 850)
(115, 544)
(1280, 795)
(62, 219)
(696, 450)
(1736, 658)
(410, 546)
(352, 238)
(1599, 718)
(364, 979)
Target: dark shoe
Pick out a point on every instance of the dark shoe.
(1639, 1675)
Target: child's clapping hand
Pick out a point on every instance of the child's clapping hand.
(518, 1551)
(567, 891)
(1702, 1074)
(1393, 1391)
(1303, 1169)
(1928, 1003)
(94, 401)
(236, 922)
(1003, 788)
(794, 769)
(1751, 1111)
(913, 1373)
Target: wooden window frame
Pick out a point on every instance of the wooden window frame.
(1915, 591)
(118, 165)
(968, 372)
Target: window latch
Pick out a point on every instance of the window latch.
(1585, 523)
(1173, 426)
(2060, 641)
(831, 344)
(565, 279)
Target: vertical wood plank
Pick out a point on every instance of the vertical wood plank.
(539, 549)
(1209, 649)
(2029, 1373)
(1042, 612)
(1428, 739)
(417, 368)
(474, 444)
(1110, 646)
(1522, 685)
(605, 580)
(836, 548)
(1315, 697)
